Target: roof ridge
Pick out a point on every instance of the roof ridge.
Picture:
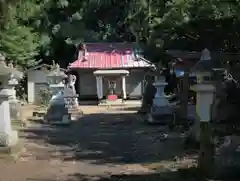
(109, 42)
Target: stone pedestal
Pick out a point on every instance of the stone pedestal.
(57, 109)
(71, 103)
(8, 137)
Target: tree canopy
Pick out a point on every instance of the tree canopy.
(50, 29)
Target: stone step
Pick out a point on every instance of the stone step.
(43, 109)
(18, 124)
(76, 113)
(36, 119)
(73, 109)
(38, 113)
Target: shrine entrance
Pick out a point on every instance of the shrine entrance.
(111, 83)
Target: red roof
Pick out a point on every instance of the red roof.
(109, 56)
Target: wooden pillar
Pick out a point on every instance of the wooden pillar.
(124, 87)
(99, 82)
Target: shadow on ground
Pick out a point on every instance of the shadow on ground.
(179, 175)
(135, 108)
(117, 139)
(109, 138)
(87, 103)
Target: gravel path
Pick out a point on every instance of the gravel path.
(101, 144)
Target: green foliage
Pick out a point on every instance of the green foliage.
(44, 97)
(52, 29)
(19, 43)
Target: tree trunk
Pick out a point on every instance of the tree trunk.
(184, 94)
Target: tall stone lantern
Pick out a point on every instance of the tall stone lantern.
(204, 88)
(8, 137)
(205, 92)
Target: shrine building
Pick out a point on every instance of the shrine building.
(104, 69)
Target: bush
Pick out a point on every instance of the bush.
(45, 96)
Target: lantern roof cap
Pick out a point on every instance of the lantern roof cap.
(206, 63)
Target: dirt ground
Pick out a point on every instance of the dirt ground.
(105, 144)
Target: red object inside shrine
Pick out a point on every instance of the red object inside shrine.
(112, 97)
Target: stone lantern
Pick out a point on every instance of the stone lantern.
(8, 137)
(205, 87)
(160, 99)
(205, 90)
(160, 102)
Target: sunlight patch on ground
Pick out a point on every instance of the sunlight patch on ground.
(172, 165)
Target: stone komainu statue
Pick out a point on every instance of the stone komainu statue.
(71, 82)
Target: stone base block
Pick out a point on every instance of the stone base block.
(65, 121)
(9, 139)
(11, 152)
(118, 102)
(160, 115)
(159, 111)
(160, 101)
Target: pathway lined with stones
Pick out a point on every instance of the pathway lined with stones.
(102, 143)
